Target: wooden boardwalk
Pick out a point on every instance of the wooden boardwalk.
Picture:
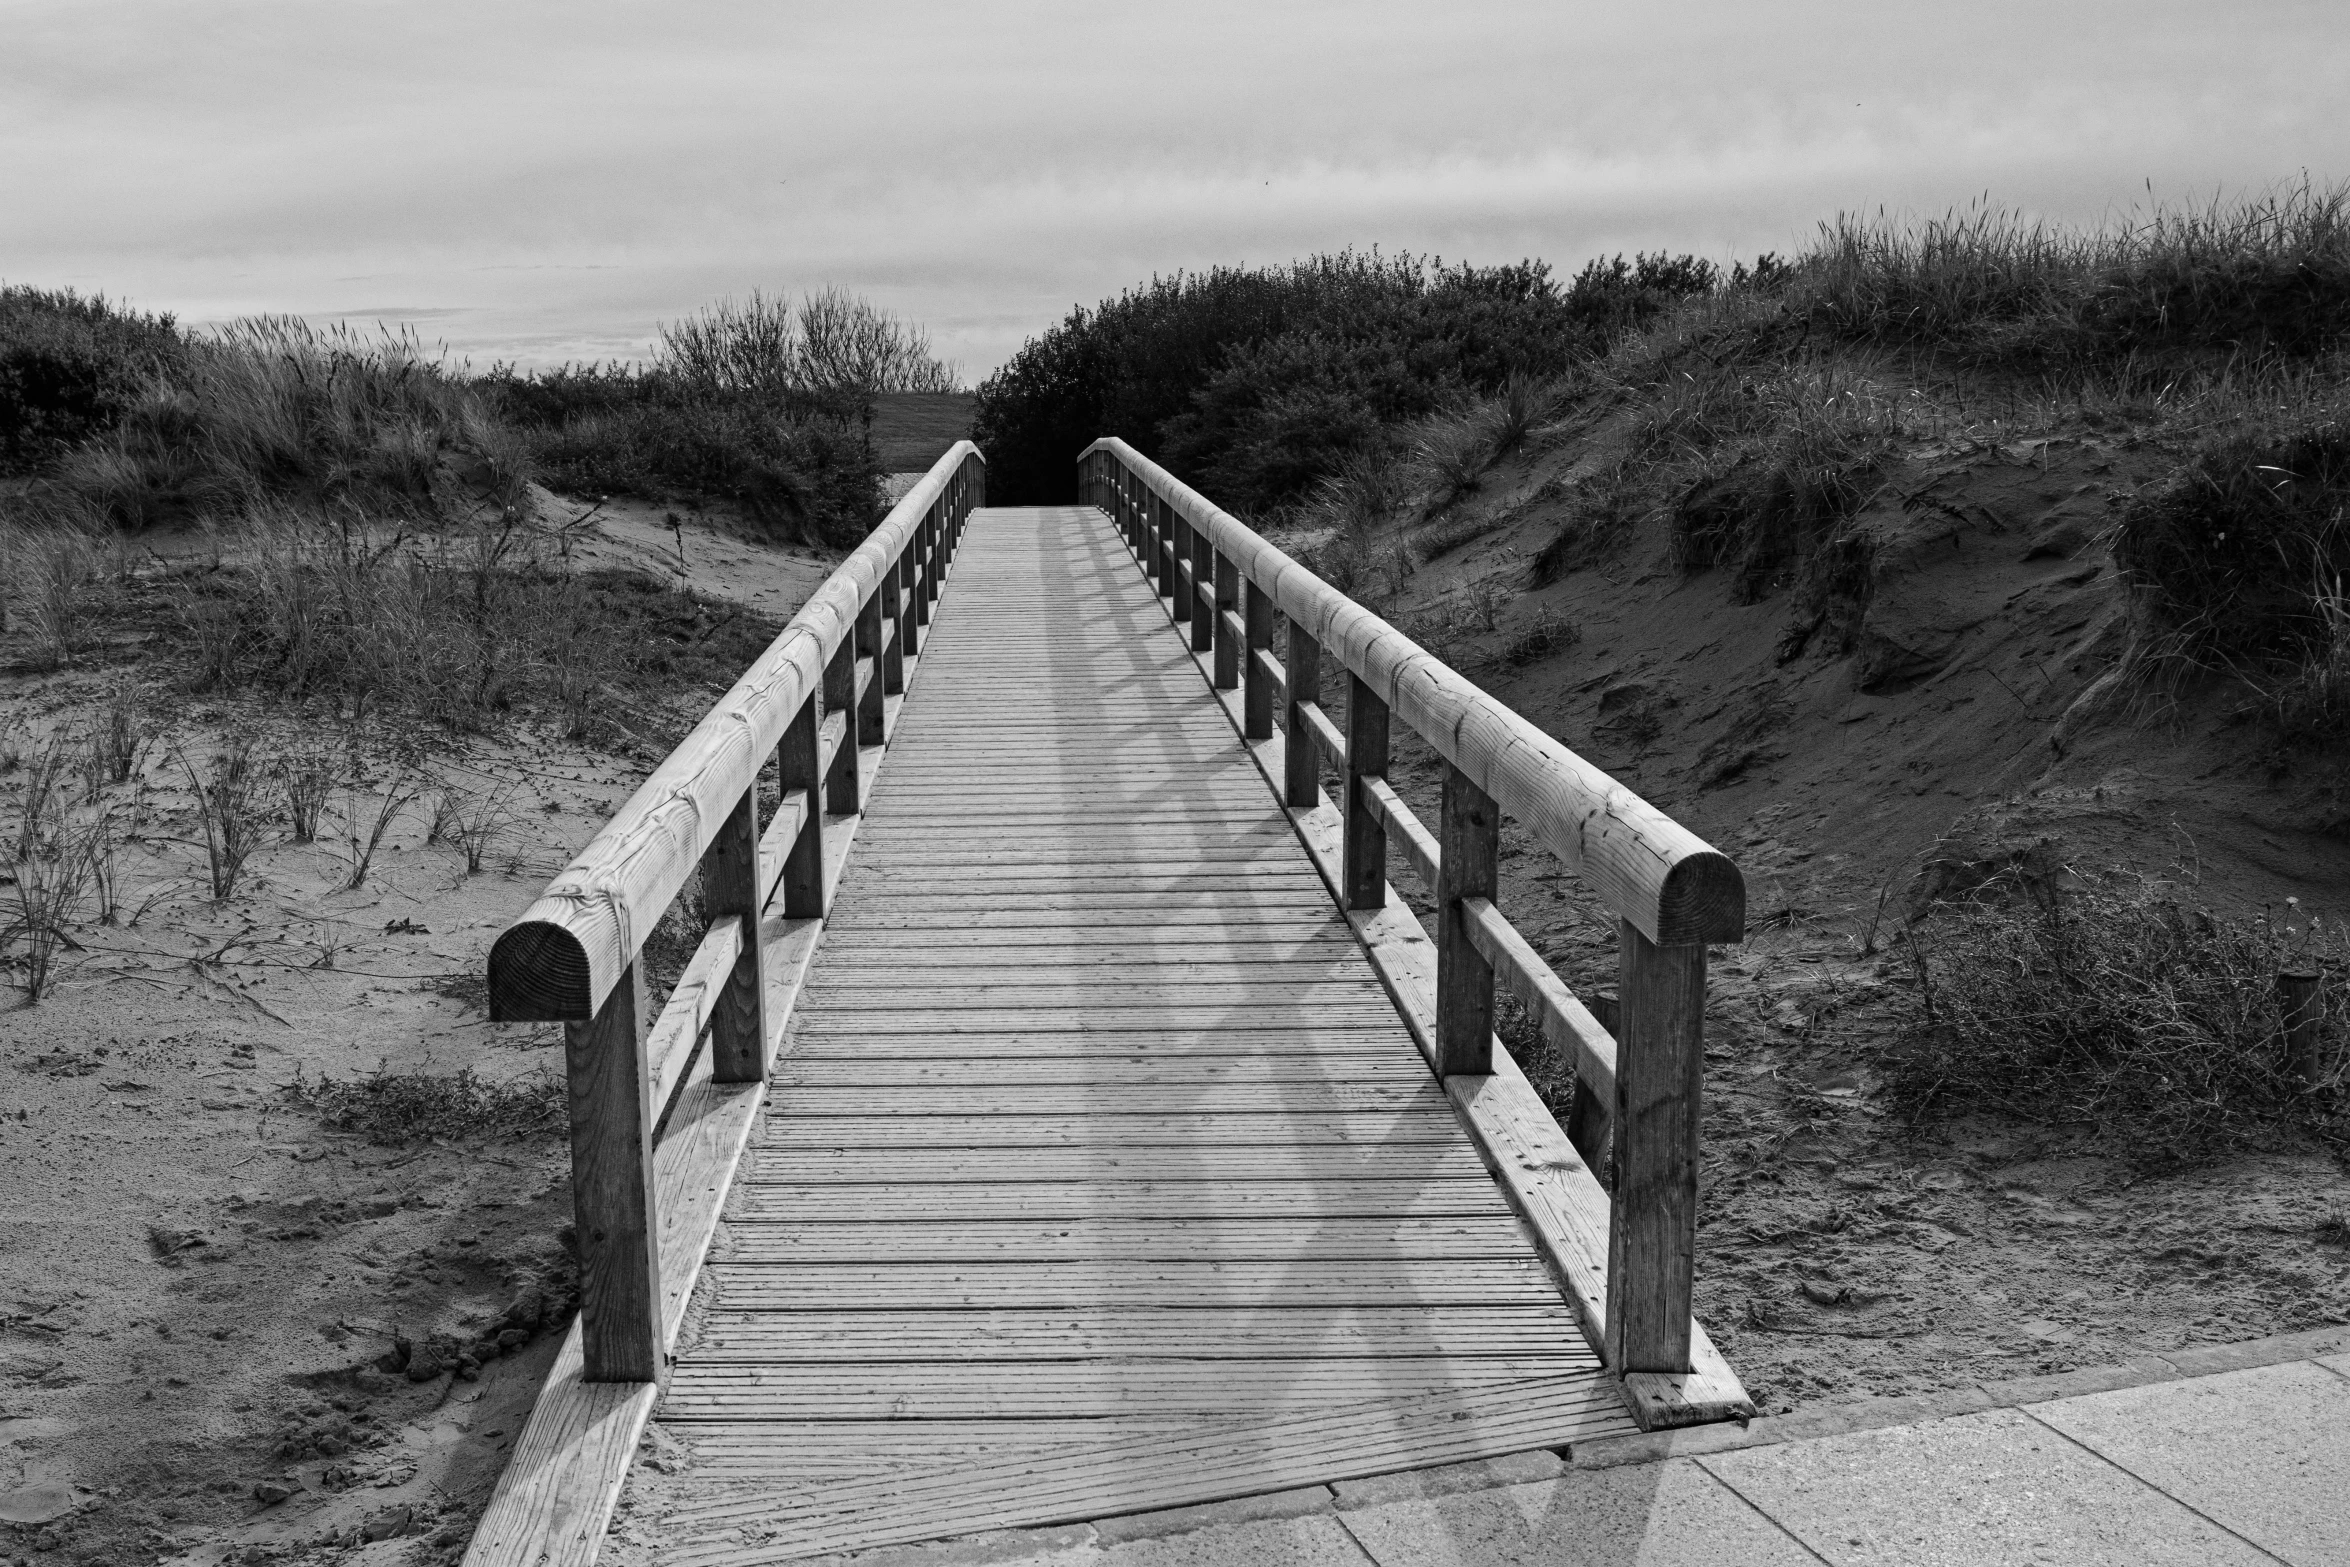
(1097, 1162)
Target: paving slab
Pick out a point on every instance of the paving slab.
(1314, 1541)
(1477, 1475)
(2264, 1452)
(1671, 1514)
(1983, 1490)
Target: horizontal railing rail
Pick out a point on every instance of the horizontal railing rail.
(813, 706)
(1672, 893)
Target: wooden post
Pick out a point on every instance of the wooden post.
(871, 727)
(730, 884)
(612, 1187)
(893, 651)
(1163, 545)
(922, 548)
(1203, 592)
(1228, 651)
(1366, 835)
(1471, 844)
(1302, 761)
(1660, 1077)
(796, 762)
(2300, 1000)
(909, 632)
(1256, 702)
(840, 696)
(1179, 586)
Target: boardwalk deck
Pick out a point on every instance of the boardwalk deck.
(1098, 1171)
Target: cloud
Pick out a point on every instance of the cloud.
(568, 175)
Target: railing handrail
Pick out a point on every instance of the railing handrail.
(560, 960)
(1671, 884)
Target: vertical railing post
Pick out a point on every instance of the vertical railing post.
(612, 1187)
(871, 714)
(1181, 553)
(1163, 545)
(841, 793)
(798, 758)
(1469, 843)
(1227, 598)
(1365, 849)
(1203, 591)
(730, 886)
(1256, 683)
(1302, 760)
(926, 543)
(1660, 1076)
(909, 629)
(893, 610)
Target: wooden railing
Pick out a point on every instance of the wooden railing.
(814, 702)
(1671, 893)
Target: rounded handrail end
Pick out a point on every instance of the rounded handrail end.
(539, 973)
(1703, 899)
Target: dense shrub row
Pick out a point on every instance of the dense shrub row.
(1255, 383)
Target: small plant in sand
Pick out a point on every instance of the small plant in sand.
(367, 820)
(475, 821)
(41, 810)
(59, 568)
(1547, 633)
(117, 744)
(304, 779)
(227, 801)
(45, 888)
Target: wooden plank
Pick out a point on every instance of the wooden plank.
(707, 1389)
(1394, 1101)
(1150, 1472)
(612, 1186)
(869, 1070)
(1095, 1286)
(940, 1166)
(760, 1198)
(1145, 1240)
(947, 1337)
(1464, 980)
(1077, 1130)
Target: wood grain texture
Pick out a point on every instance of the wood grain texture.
(1469, 867)
(608, 1089)
(1660, 1082)
(1648, 868)
(563, 956)
(1545, 1174)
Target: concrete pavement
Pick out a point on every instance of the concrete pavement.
(2226, 1455)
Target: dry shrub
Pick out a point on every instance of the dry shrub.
(2237, 563)
(1548, 633)
(2117, 1006)
(394, 1108)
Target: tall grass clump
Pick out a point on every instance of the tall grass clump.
(273, 409)
(2269, 274)
(2237, 563)
(2115, 1006)
(395, 1108)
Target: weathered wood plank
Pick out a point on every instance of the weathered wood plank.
(1141, 1240)
(1126, 1286)
(1468, 1192)
(1341, 1332)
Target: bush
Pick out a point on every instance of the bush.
(395, 1108)
(2238, 559)
(69, 368)
(1253, 384)
(2116, 1007)
(814, 480)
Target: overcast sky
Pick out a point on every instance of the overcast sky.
(543, 182)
